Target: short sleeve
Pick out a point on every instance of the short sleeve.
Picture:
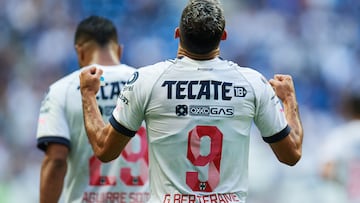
(52, 124)
(129, 112)
(270, 118)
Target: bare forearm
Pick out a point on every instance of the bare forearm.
(93, 121)
(106, 142)
(289, 149)
(292, 115)
(52, 181)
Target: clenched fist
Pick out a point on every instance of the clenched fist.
(283, 86)
(90, 80)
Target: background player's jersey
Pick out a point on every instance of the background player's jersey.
(342, 148)
(88, 179)
(198, 117)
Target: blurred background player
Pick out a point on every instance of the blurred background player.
(340, 155)
(61, 134)
(199, 110)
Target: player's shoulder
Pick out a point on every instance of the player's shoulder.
(250, 74)
(243, 69)
(66, 81)
(154, 70)
(118, 72)
(146, 76)
(60, 88)
(256, 80)
(159, 66)
(127, 68)
(254, 76)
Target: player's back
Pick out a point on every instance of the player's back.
(199, 115)
(88, 179)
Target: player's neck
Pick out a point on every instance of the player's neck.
(105, 58)
(211, 55)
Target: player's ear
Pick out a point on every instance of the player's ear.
(177, 32)
(77, 48)
(80, 53)
(224, 35)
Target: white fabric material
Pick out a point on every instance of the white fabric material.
(342, 148)
(88, 180)
(198, 117)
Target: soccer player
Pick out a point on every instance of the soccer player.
(62, 136)
(198, 110)
(340, 154)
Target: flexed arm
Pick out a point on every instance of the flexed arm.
(106, 142)
(288, 150)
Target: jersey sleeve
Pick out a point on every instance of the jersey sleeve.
(129, 113)
(52, 124)
(270, 118)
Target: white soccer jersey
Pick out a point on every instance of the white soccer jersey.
(88, 180)
(343, 148)
(198, 117)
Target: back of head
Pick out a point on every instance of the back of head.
(97, 29)
(351, 100)
(201, 26)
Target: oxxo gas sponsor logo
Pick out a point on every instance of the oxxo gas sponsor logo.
(205, 110)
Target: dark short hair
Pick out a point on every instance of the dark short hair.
(351, 100)
(354, 102)
(97, 29)
(201, 26)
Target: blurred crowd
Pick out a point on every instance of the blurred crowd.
(316, 41)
